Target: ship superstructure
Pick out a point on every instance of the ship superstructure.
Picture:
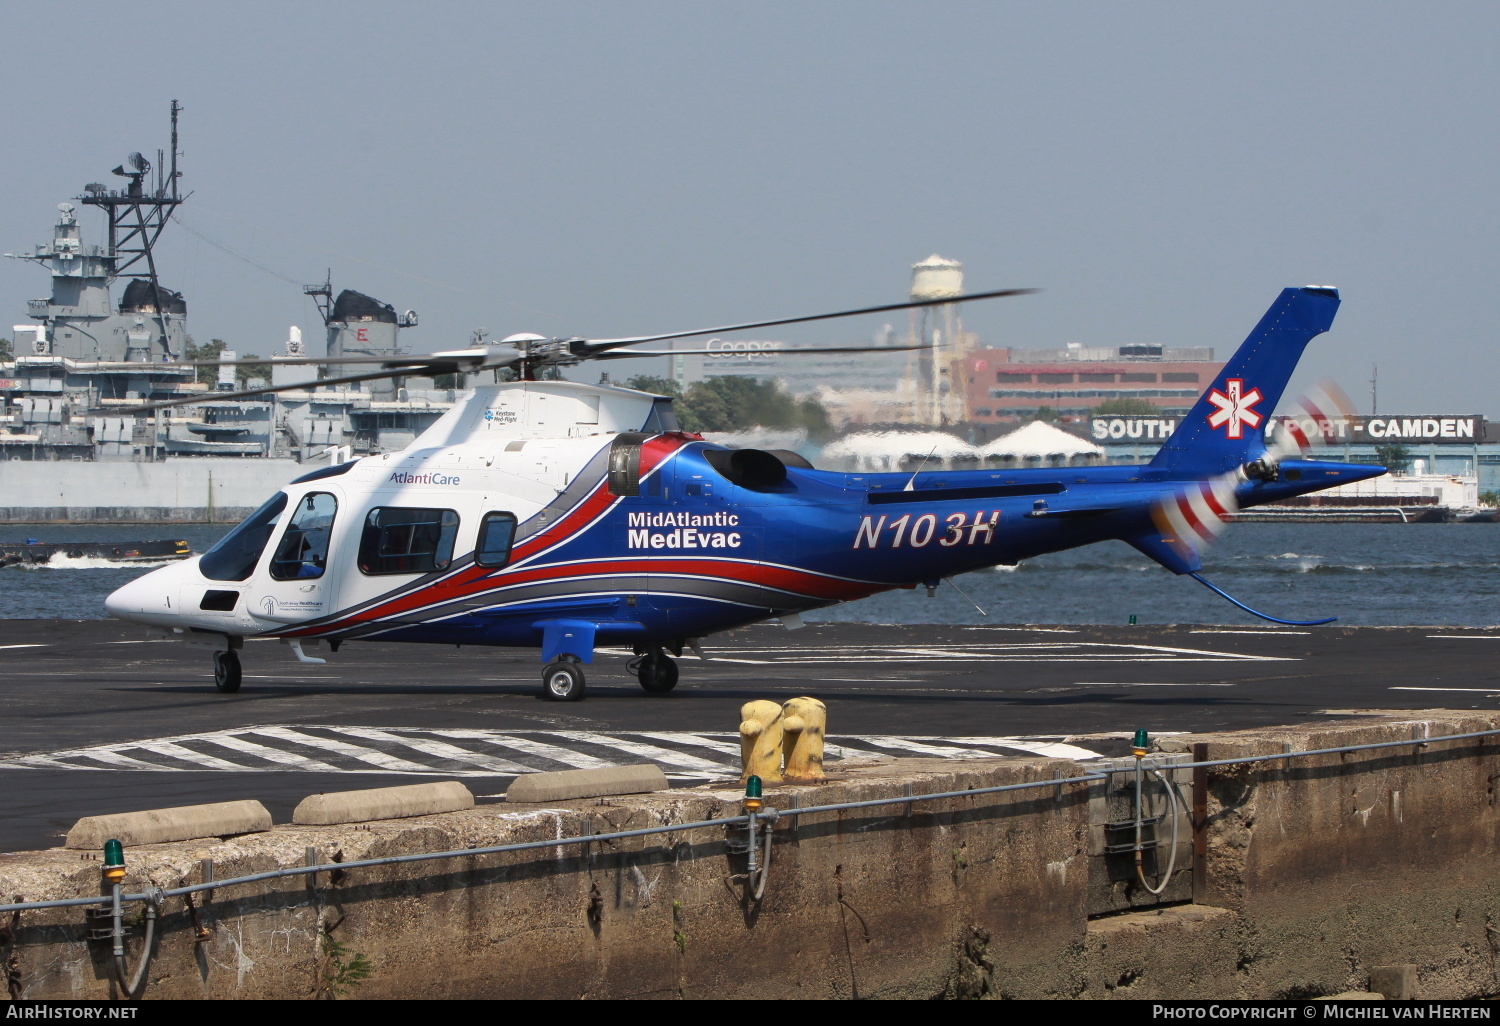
(83, 355)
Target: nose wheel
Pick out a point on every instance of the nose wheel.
(562, 681)
(227, 672)
(657, 672)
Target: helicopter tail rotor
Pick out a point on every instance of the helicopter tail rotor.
(1194, 514)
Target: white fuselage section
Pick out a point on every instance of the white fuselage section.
(505, 448)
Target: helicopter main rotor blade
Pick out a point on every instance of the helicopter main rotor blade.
(405, 371)
(637, 354)
(590, 346)
(465, 355)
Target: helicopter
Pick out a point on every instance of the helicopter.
(569, 517)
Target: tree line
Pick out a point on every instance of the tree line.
(737, 404)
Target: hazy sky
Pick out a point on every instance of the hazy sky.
(1160, 169)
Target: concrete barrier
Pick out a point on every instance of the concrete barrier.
(586, 783)
(1320, 876)
(185, 823)
(383, 803)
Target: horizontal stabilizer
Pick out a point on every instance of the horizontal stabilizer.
(1169, 552)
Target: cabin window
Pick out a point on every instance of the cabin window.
(303, 552)
(496, 532)
(397, 540)
(235, 555)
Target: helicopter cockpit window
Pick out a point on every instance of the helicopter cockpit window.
(397, 540)
(496, 532)
(303, 552)
(235, 555)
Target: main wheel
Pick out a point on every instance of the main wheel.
(657, 673)
(562, 681)
(227, 672)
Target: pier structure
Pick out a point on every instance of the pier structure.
(1308, 821)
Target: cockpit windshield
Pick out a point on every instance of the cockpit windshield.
(235, 556)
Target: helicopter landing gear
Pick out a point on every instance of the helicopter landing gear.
(227, 671)
(562, 680)
(657, 672)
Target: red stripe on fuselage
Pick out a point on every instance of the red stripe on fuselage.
(476, 579)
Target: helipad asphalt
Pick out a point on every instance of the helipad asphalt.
(96, 717)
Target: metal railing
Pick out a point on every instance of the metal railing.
(766, 816)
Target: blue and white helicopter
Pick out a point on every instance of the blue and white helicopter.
(568, 517)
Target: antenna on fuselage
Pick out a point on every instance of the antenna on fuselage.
(965, 594)
(911, 485)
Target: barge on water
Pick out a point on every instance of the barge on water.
(33, 553)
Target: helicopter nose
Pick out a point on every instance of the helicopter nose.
(150, 598)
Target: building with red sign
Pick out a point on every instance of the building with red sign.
(1009, 385)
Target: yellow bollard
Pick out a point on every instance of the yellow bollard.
(802, 724)
(760, 741)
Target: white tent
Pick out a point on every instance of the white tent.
(1039, 440)
(760, 438)
(888, 450)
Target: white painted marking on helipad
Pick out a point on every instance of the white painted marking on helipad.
(25, 646)
(726, 659)
(902, 744)
(280, 676)
(650, 753)
(437, 748)
(1490, 691)
(555, 753)
(274, 755)
(357, 752)
(109, 758)
(417, 751)
(1026, 630)
(1155, 684)
(1258, 633)
(175, 751)
(1053, 749)
(716, 744)
(1031, 652)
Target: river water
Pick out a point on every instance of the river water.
(1365, 574)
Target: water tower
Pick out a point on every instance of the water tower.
(939, 327)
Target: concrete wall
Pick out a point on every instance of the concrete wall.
(172, 491)
(1308, 876)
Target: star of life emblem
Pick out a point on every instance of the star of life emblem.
(1235, 409)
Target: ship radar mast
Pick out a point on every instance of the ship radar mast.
(138, 214)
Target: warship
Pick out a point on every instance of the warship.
(69, 451)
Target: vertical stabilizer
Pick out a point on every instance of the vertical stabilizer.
(1226, 427)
